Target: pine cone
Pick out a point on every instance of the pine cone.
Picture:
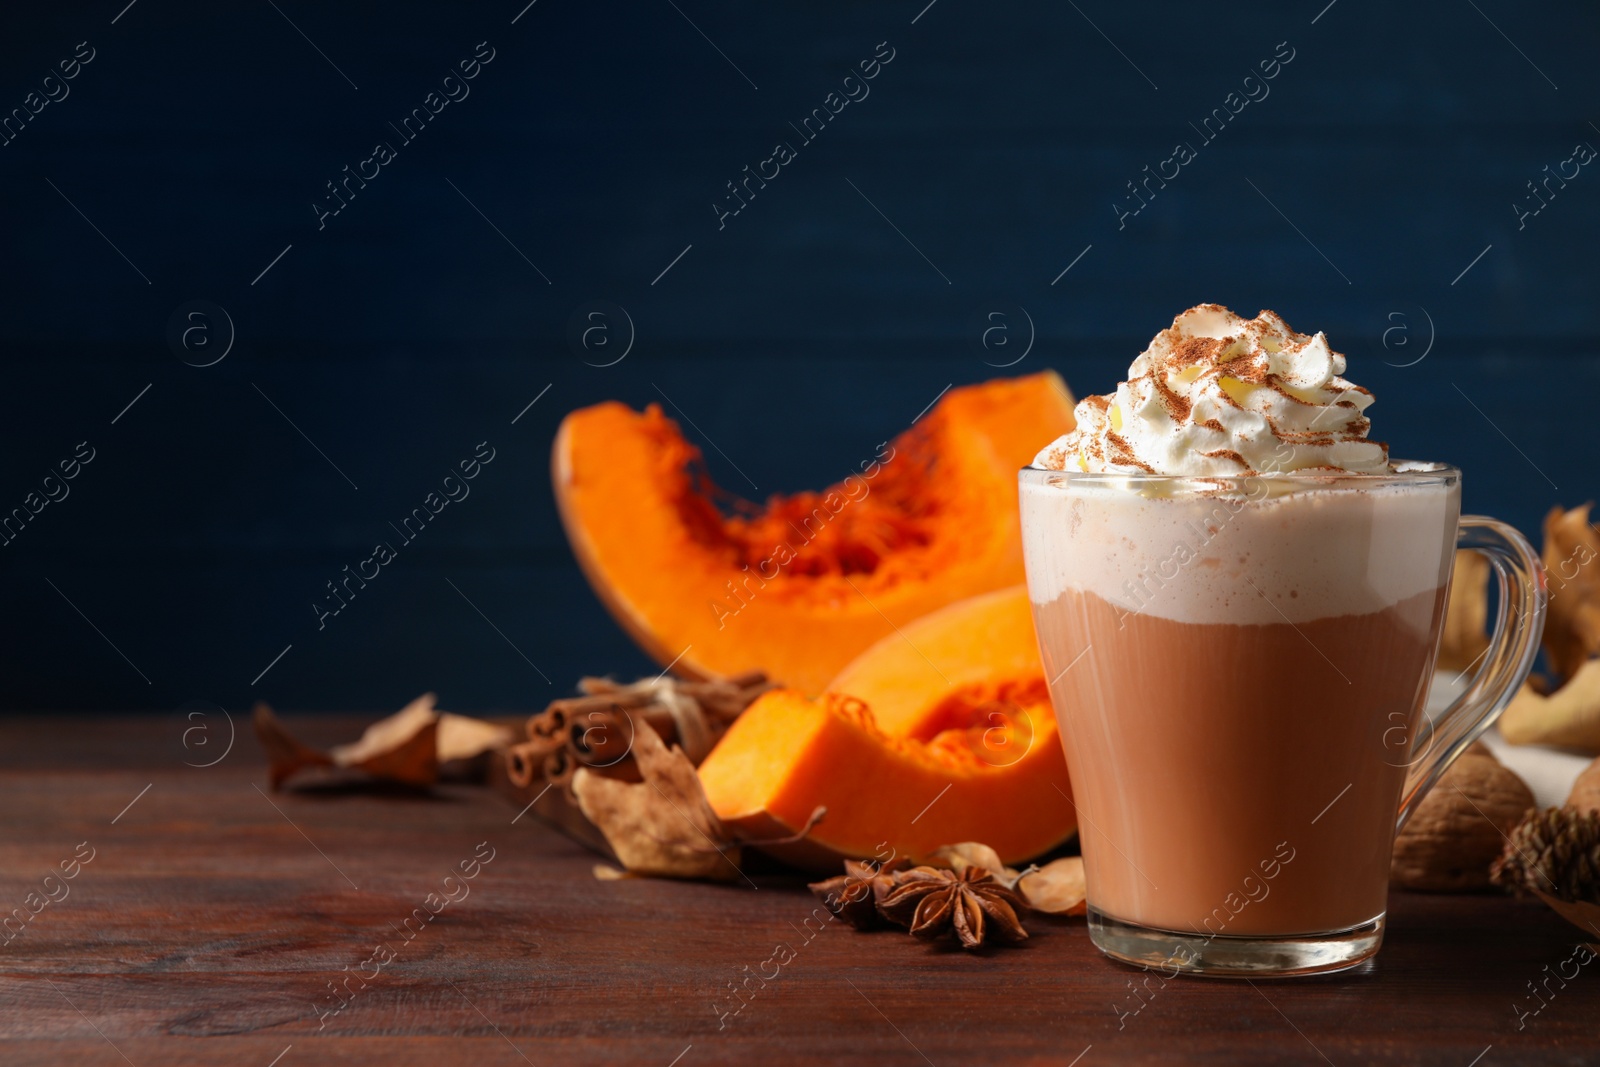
(1556, 852)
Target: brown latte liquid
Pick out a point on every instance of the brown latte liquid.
(1238, 779)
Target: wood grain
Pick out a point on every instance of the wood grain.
(208, 926)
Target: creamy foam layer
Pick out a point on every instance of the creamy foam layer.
(1206, 558)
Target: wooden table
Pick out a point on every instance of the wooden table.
(214, 915)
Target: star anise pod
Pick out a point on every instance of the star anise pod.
(933, 902)
(854, 895)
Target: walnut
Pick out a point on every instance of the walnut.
(1459, 828)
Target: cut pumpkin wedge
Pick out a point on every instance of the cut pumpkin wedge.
(800, 586)
(966, 748)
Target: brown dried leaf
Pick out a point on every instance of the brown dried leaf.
(285, 755)
(661, 826)
(1057, 888)
(1464, 634)
(462, 737)
(1569, 717)
(402, 748)
(413, 760)
(1572, 620)
(406, 747)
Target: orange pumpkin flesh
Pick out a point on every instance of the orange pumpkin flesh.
(799, 587)
(986, 640)
(975, 760)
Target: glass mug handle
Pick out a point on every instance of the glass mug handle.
(1518, 627)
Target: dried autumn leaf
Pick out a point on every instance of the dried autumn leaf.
(661, 826)
(1572, 620)
(462, 737)
(405, 747)
(1464, 634)
(1057, 888)
(402, 748)
(1570, 716)
(285, 755)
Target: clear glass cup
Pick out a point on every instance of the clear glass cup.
(1239, 666)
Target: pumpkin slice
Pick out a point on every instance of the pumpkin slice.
(985, 641)
(789, 753)
(718, 585)
(956, 741)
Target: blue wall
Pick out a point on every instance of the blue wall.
(1381, 159)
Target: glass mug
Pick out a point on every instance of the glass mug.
(1239, 666)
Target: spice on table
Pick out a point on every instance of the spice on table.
(854, 895)
(596, 730)
(935, 903)
(962, 890)
(1057, 888)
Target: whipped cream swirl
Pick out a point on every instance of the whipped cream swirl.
(1216, 394)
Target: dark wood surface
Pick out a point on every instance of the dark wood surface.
(213, 916)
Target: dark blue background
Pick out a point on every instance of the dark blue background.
(806, 331)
